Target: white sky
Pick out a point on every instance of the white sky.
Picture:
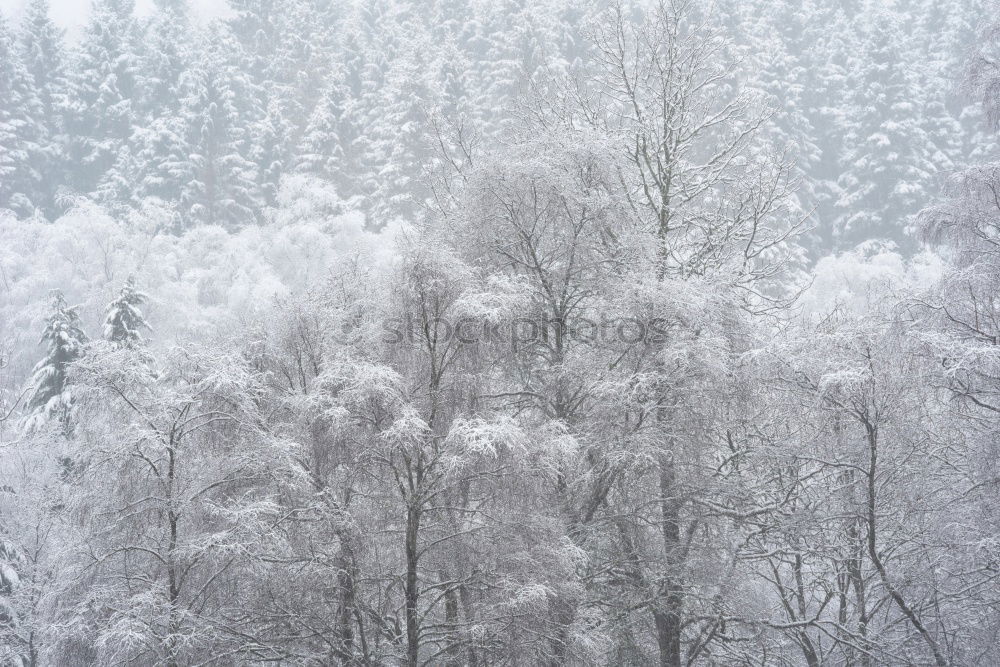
(70, 14)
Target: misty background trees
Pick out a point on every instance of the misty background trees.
(563, 333)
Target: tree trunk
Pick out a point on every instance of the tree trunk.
(667, 613)
(412, 590)
(345, 582)
(173, 583)
(472, 658)
(894, 593)
(451, 620)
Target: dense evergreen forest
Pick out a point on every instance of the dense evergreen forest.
(515, 332)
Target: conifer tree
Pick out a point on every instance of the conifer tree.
(321, 152)
(19, 132)
(939, 32)
(100, 113)
(398, 140)
(161, 157)
(303, 60)
(336, 141)
(218, 114)
(49, 394)
(782, 71)
(44, 57)
(887, 158)
(834, 55)
(269, 152)
(153, 161)
(167, 54)
(124, 320)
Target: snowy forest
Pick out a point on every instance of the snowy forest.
(500, 332)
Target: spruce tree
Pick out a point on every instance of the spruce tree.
(399, 143)
(887, 157)
(218, 115)
(522, 39)
(781, 70)
(41, 47)
(336, 143)
(124, 321)
(166, 54)
(321, 152)
(49, 395)
(158, 163)
(270, 152)
(100, 113)
(19, 132)
(44, 57)
(301, 62)
(153, 162)
(938, 33)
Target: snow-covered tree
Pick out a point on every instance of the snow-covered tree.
(100, 112)
(167, 52)
(44, 56)
(398, 140)
(179, 492)
(124, 322)
(271, 139)
(220, 186)
(13, 651)
(20, 132)
(887, 159)
(50, 396)
(322, 152)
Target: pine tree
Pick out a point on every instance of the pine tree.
(158, 164)
(887, 158)
(215, 154)
(49, 395)
(336, 145)
(398, 140)
(270, 153)
(287, 52)
(303, 60)
(368, 49)
(452, 20)
(167, 54)
(44, 56)
(41, 46)
(218, 116)
(956, 121)
(100, 113)
(833, 56)
(522, 40)
(450, 72)
(321, 152)
(124, 321)
(19, 131)
(939, 31)
(153, 161)
(254, 25)
(782, 71)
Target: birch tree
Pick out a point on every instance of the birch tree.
(175, 485)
